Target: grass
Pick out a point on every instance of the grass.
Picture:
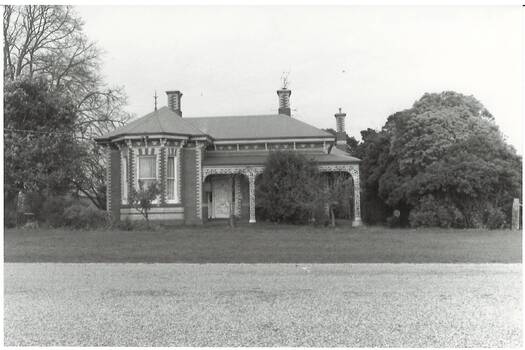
(264, 243)
(322, 305)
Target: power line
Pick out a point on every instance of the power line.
(46, 132)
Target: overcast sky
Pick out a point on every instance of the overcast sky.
(371, 61)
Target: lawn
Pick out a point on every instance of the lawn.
(264, 243)
(344, 305)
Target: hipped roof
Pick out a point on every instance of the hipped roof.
(164, 121)
(161, 121)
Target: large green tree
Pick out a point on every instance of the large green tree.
(289, 188)
(41, 153)
(374, 155)
(48, 42)
(442, 162)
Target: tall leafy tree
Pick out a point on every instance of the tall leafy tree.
(351, 142)
(288, 189)
(373, 151)
(41, 153)
(444, 162)
(48, 42)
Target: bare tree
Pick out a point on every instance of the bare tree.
(49, 42)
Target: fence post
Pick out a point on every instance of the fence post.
(516, 214)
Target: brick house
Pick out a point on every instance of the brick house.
(209, 166)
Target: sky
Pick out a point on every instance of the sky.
(369, 61)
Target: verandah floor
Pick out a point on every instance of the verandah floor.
(264, 243)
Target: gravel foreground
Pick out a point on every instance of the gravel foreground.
(322, 305)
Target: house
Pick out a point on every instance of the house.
(208, 166)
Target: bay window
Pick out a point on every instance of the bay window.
(171, 180)
(124, 180)
(147, 170)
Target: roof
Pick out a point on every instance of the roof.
(217, 158)
(161, 121)
(166, 121)
(256, 127)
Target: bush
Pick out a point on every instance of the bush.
(142, 199)
(52, 211)
(494, 219)
(48, 209)
(85, 217)
(432, 212)
(10, 218)
(393, 221)
(125, 225)
(288, 189)
(139, 225)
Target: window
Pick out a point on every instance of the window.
(124, 180)
(147, 170)
(172, 180)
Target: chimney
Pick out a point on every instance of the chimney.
(174, 101)
(340, 136)
(284, 101)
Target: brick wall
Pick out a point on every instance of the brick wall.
(245, 201)
(162, 177)
(114, 184)
(189, 185)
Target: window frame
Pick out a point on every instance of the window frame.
(137, 177)
(175, 179)
(124, 179)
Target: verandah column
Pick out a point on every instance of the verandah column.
(198, 183)
(108, 178)
(357, 197)
(251, 181)
(237, 194)
(163, 170)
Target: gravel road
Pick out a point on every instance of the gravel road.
(351, 305)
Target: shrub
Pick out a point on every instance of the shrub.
(47, 209)
(494, 218)
(85, 217)
(142, 199)
(139, 225)
(288, 189)
(435, 212)
(10, 218)
(393, 221)
(125, 225)
(52, 209)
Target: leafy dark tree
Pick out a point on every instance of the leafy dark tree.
(351, 142)
(45, 158)
(91, 181)
(47, 41)
(373, 151)
(288, 189)
(337, 193)
(142, 199)
(442, 162)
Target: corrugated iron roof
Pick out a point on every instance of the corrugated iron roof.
(274, 126)
(218, 158)
(256, 127)
(161, 121)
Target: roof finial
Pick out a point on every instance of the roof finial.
(339, 109)
(155, 97)
(285, 80)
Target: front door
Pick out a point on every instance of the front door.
(221, 187)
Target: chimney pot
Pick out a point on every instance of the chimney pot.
(284, 101)
(341, 135)
(174, 102)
